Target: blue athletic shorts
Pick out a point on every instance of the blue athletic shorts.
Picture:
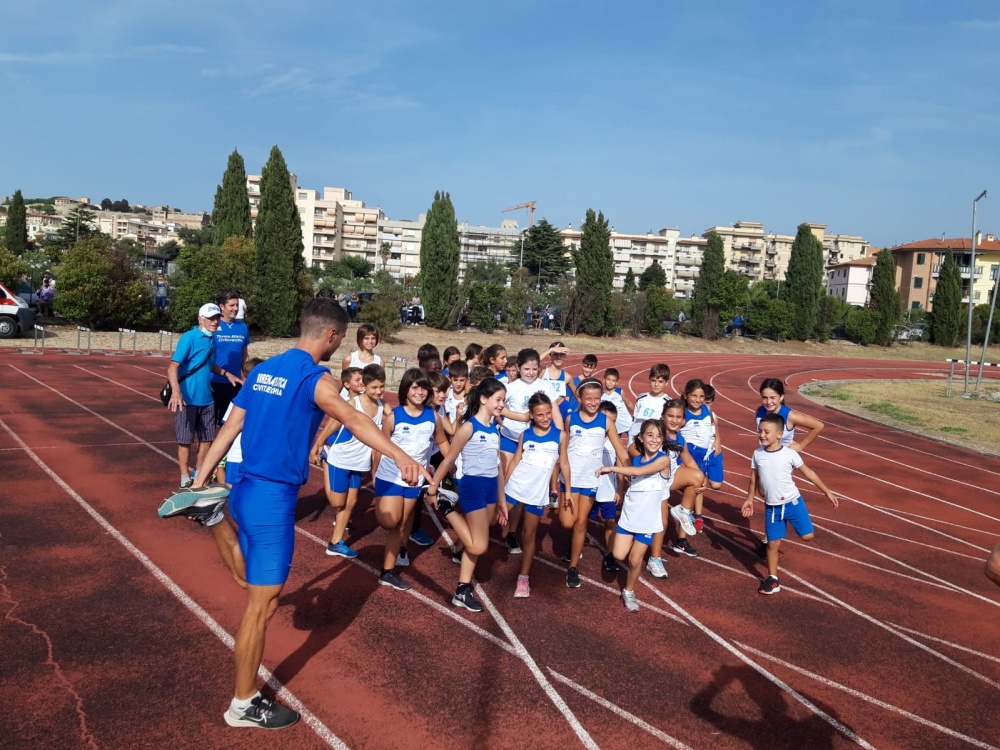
(507, 445)
(584, 491)
(708, 462)
(646, 539)
(776, 518)
(535, 510)
(265, 514)
(232, 471)
(477, 492)
(342, 480)
(385, 488)
(605, 510)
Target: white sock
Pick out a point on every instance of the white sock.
(185, 478)
(240, 706)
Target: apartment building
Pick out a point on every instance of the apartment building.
(399, 246)
(851, 280)
(481, 244)
(182, 219)
(688, 257)
(357, 227)
(253, 193)
(635, 252)
(918, 265)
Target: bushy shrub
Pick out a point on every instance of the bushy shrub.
(100, 285)
(11, 268)
(861, 325)
(383, 309)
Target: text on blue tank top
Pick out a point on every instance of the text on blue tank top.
(281, 417)
(480, 456)
(586, 440)
(788, 434)
(697, 428)
(650, 482)
(539, 455)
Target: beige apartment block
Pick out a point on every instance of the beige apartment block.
(399, 246)
(635, 252)
(918, 265)
(688, 257)
(481, 244)
(183, 219)
(357, 227)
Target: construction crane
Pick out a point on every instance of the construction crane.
(530, 205)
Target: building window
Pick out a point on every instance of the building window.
(994, 271)
(915, 306)
(921, 258)
(918, 282)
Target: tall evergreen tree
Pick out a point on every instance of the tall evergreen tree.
(628, 286)
(804, 281)
(279, 268)
(946, 315)
(16, 233)
(440, 249)
(231, 212)
(595, 272)
(885, 302)
(704, 316)
(545, 257)
(654, 275)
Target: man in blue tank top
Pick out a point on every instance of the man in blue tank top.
(278, 411)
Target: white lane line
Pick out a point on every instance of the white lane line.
(206, 619)
(846, 731)
(620, 712)
(890, 629)
(89, 445)
(525, 656)
(972, 651)
(936, 582)
(120, 385)
(104, 419)
(868, 699)
(973, 529)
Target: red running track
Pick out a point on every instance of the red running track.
(116, 625)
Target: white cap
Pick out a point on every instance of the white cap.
(209, 311)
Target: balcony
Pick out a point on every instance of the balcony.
(963, 271)
(770, 265)
(772, 250)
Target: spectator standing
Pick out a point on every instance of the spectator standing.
(547, 317)
(241, 311)
(232, 340)
(527, 316)
(191, 400)
(46, 298)
(160, 294)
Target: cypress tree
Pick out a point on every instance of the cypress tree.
(804, 281)
(705, 317)
(17, 225)
(628, 286)
(440, 249)
(231, 212)
(279, 267)
(946, 315)
(595, 272)
(885, 299)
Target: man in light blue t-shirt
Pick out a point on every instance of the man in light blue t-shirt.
(190, 376)
(277, 413)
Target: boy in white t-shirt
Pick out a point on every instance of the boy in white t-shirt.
(771, 474)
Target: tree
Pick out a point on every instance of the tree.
(16, 234)
(356, 266)
(106, 204)
(11, 269)
(203, 272)
(490, 270)
(385, 252)
(100, 285)
(861, 325)
(804, 281)
(658, 305)
(730, 295)
(832, 312)
(628, 286)
(231, 212)
(946, 316)
(595, 272)
(282, 285)
(78, 225)
(545, 257)
(196, 237)
(654, 275)
(704, 317)
(885, 302)
(440, 248)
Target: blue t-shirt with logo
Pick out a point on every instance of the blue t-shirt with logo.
(230, 340)
(193, 348)
(281, 418)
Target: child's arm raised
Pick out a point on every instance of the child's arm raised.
(814, 478)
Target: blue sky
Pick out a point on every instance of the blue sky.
(880, 119)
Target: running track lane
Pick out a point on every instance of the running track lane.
(704, 688)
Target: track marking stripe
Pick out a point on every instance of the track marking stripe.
(945, 643)
(868, 699)
(620, 712)
(206, 619)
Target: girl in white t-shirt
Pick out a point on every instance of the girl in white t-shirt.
(641, 517)
(368, 339)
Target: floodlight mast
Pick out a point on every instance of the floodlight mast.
(972, 281)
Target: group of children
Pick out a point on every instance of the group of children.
(509, 439)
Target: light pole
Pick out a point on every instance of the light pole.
(972, 279)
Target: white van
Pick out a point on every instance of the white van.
(15, 315)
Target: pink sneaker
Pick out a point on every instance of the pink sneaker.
(523, 590)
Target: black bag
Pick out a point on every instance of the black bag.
(167, 391)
